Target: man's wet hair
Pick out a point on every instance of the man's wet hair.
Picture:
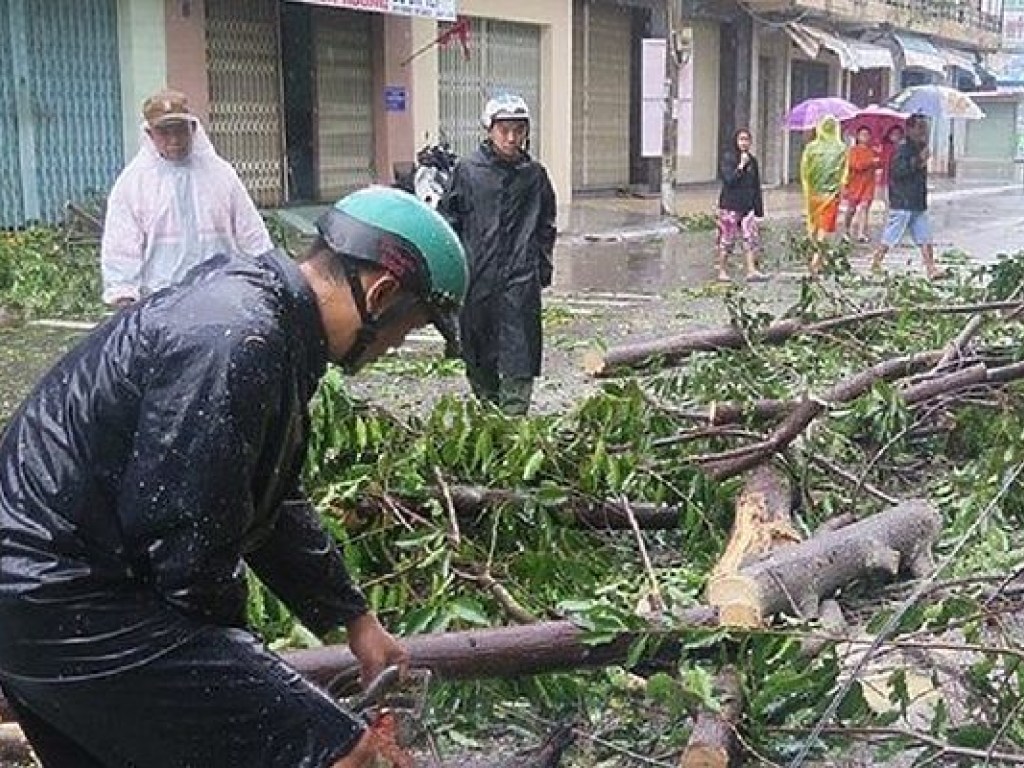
(916, 120)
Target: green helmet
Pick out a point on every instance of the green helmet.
(398, 232)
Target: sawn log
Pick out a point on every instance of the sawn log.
(713, 741)
(794, 579)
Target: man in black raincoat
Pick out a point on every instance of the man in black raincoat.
(502, 205)
(160, 459)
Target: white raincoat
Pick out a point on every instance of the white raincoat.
(164, 217)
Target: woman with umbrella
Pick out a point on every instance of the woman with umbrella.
(822, 173)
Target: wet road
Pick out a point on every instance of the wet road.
(980, 225)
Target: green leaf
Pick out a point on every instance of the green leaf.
(973, 736)
(532, 465)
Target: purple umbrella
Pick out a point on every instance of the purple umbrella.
(807, 114)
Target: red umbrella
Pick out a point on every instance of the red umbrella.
(880, 120)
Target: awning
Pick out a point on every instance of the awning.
(961, 60)
(854, 55)
(811, 40)
(919, 52)
(985, 74)
(869, 55)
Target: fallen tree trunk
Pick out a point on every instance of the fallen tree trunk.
(794, 579)
(672, 349)
(723, 466)
(713, 742)
(761, 523)
(794, 576)
(532, 649)
(472, 501)
(529, 649)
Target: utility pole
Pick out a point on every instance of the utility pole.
(670, 126)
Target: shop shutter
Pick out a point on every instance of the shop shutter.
(11, 212)
(602, 40)
(504, 56)
(995, 137)
(245, 87)
(60, 105)
(344, 86)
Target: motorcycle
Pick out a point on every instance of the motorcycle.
(431, 175)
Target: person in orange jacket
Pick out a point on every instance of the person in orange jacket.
(862, 164)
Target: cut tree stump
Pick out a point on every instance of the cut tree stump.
(762, 522)
(713, 741)
(794, 579)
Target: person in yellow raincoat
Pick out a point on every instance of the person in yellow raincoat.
(822, 175)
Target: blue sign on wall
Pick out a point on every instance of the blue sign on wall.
(394, 98)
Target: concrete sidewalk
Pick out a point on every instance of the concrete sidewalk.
(619, 218)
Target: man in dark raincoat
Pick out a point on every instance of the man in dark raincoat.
(160, 459)
(502, 205)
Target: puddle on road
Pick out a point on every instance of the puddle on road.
(644, 267)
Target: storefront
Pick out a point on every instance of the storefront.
(60, 105)
(307, 97)
(602, 106)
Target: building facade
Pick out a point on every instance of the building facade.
(865, 51)
(312, 98)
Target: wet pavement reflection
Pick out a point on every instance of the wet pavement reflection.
(981, 226)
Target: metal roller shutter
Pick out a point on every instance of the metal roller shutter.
(505, 56)
(60, 114)
(11, 212)
(245, 88)
(344, 86)
(602, 42)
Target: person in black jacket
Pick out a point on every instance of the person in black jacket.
(158, 461)
(502, 205)
(908, 198)
(740, 205)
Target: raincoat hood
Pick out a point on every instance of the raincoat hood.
(164, 217)
(823, 164)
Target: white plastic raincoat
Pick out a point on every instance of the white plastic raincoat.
(164, 217)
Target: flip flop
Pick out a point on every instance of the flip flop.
(758, 277)
(942, 274)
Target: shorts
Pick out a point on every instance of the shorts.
(221, 699)
(733, 226)
(898, 222)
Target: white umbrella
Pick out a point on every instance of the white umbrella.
(936, 101)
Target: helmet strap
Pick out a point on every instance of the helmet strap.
(368, 330)
(371, 326)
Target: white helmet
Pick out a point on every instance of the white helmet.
(508, 106)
